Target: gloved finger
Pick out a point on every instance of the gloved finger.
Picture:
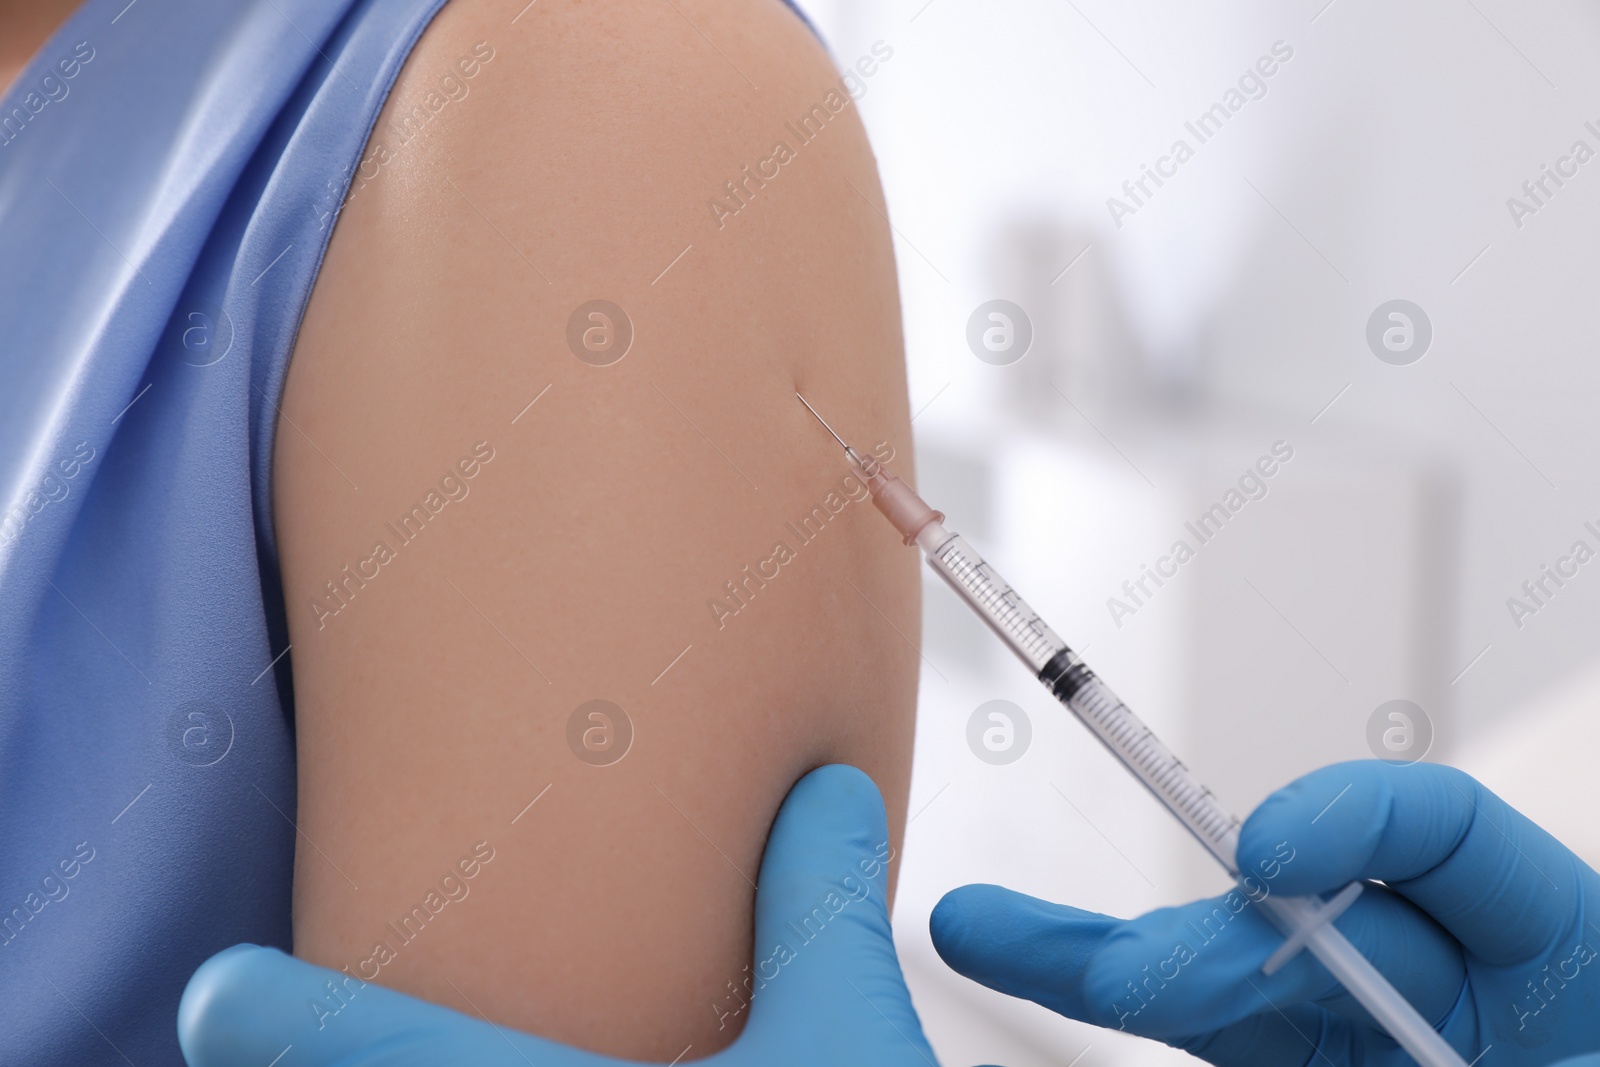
(1044, 952)
(1198, 967)
(1293, 1034)
(1435, 835)
(825, 980)
(252, 1005)
(1020, 945)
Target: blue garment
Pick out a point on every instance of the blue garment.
(169, 173)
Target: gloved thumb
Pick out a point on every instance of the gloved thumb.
(825, 973)
(253, 1005)
(1021, 945)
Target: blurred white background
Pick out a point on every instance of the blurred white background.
(1228, 312)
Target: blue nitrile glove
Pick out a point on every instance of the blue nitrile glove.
(1483, 923)
(837, 999)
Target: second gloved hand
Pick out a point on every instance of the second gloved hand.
(831, 990)
(1489, 926)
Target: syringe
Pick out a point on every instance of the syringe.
(1307, 922)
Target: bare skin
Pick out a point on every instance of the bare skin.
(25, 25)
(583, 561)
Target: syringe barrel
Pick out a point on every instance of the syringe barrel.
(990, 595)
(1136, 745)
(1071, 681)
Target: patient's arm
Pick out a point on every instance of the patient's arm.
(434, 684)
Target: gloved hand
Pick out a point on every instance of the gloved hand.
(837, 999)
(1483, 923)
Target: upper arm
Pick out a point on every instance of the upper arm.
(435, 677)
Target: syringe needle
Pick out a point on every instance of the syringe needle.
(850, 453)
(822, 420)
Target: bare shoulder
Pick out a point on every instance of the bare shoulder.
(540, 448)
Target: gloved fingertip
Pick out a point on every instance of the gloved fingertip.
(829, 854)
(961, 922)
(1019, 945)
(836, 778)
(836, 800)
(1315, 833)
(217, 986)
